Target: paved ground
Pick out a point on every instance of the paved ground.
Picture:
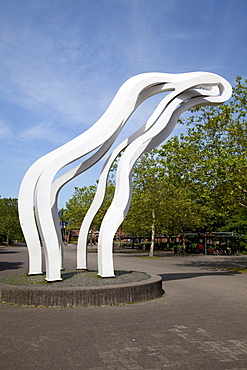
(200, 323)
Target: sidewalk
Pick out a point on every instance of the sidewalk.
(200, 323)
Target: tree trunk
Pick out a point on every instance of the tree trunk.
(168, 242)
(183, 244)
(91, 240)
(151, 252)
(7, 240)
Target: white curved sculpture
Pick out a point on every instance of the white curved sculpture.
(39, 191)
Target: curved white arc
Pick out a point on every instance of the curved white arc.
(119, 207)
(56, 221)
(62, 180)
(99, 196)
(46, 218)
(27, 220)
(120, 107)
(45, 180)
(116, 212)
(98, 200)
(65, 178)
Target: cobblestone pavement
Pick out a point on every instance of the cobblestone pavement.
(200, 323)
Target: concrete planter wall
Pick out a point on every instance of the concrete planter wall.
(144, 290)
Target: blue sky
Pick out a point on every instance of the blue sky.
(62, 61)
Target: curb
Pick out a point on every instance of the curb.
(88, 296)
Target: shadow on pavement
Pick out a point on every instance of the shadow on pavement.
(190, 275)
(10, 265)
(240, 262)
(2, 251)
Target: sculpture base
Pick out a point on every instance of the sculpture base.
(106, 276)
(107, 293)
(53, 281)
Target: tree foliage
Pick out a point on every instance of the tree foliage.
(77, 207)
(211, 160)
(9, 221)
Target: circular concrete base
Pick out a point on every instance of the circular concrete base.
(82, 296)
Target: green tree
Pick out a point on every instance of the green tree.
(77, 207)
(160, 204)
(10, 228)
(210, 160)
(146, 206)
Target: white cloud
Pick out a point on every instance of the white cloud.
(54, 74)
(44, 131)
(4, 129)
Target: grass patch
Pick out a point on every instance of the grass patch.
(152, 258)
(75, 278)
(235, 269)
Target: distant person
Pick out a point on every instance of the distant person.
(200, 248)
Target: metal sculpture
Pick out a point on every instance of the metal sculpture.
(39, 192)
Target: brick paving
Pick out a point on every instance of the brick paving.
(200, 323)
